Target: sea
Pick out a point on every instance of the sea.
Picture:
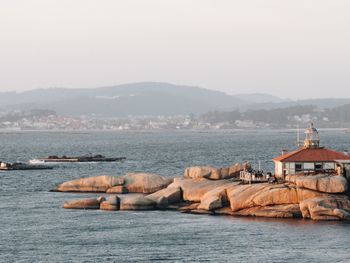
(35, 228)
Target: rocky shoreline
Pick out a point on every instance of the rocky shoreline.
(208, 190)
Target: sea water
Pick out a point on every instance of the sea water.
(35, 228)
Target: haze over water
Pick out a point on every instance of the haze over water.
(35, 227)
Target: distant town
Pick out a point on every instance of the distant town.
(291, 117)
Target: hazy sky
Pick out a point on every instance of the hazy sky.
(289, 48)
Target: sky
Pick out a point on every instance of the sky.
(292, 48)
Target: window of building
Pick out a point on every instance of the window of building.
(329, 166)
(309, 166)
(298, 167)
(318, 166)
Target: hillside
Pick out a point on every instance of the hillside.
(148, 98)
(130, 99)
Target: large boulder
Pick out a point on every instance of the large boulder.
(213, 173)
(118, 189)
(323, 183)
(247, 196)
(304, 194)
(146, 183)
(202, 172)
(234, 170)
(194, 189)
(172, 195)
(91, 203)
(136, 202)
(328, 208)
(276, 211)
(215, 198)
(92, 184)
(211, 202)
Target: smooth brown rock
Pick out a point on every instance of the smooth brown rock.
(112, 203)
(225, 172)
(323, 183)
(304, 194)
(213, 173)
(194, 189)
(136, 202)
(107, 206)
(92, 184)
(91, 203)
(234, 170)
(119, 189)
(172, 194)
(328, 208)
(247, 196)
(211, 203)
(146, 183)
(276, 211)
(216, 197)
(199, 172)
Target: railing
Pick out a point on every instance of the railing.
(253, 177)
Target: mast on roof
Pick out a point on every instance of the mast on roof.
(299, 143)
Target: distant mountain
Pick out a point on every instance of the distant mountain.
(259, 98)
(320, 103)
(147, 98)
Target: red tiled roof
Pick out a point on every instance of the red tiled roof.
(312, 155)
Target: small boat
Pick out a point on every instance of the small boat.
(22, 166)
(77, 159)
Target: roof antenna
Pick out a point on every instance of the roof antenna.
(298, 136)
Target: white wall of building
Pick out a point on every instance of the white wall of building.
(291, 167)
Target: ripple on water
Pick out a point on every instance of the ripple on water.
(35, 228)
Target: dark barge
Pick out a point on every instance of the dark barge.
(77, 159)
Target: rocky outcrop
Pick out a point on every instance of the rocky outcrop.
(216, 198)
(247, 196)
(327, 208)
(235, 170)
(146, 183)
(213, 173)
(276, 211)
(202, 172)
(194, 189)
(119, 189)
(92, 184)
(134, 183)
(304, 194)
(136, 202)
(322, 183)
(91, 203)
(171, 194)
(314, 197)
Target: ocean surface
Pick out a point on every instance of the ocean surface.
(35, 228)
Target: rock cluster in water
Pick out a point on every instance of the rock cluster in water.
(207, 190)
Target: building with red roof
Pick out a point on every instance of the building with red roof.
(311, 158)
